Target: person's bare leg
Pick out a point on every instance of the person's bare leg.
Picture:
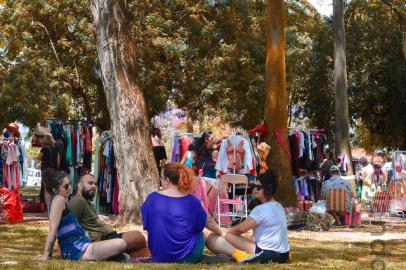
(104, 250)
(334, 214)
(353, 213)
(136, 244)
(241, 243)
(217, 244)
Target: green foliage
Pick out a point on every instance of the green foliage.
(208, 58)
(49, 66)
(376, 71)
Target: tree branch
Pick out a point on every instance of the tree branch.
(313, 11)
(50, 40)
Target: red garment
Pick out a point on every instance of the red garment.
(280, 140)
(261, 129)
(184, 143)
(254, 169)
(235, 156)
(88, 147)
(73, 139)
(115, 204)
(11, 205)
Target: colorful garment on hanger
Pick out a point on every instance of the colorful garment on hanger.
(235, 156)
(10, 155)
(247, 161)
(175, 154)
(306, 148)
(106, 173)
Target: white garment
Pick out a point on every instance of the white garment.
(109, 182)
(106, 149)
(221, 164)
(301, 144)
(369, 173)
(271, 232)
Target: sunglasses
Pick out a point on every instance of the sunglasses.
(66, 186)
(258, 187)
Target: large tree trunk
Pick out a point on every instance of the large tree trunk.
(138, 175)
(276, 113)
(341, 93)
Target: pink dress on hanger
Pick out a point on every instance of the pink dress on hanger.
(201, 194)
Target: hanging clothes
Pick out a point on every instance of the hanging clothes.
(10, 160)
(306, 147)
(106, 174)
(73, 148)
(294, 144)
(175, 154)
(235, 156)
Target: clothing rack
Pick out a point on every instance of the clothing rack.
(70, 121)
(306, 129)
(395, 173)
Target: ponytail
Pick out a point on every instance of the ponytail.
(180, 176)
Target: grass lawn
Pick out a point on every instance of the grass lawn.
(22, 243)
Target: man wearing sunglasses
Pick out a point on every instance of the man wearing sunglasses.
(97, 229)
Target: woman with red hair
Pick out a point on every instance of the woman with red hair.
(175, 220)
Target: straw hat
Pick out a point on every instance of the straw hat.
(13, 128)
(42, 131)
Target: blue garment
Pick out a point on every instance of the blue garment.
(174, 225)
(189, 160)
(296, 184)
(71, 237)
(57, 130)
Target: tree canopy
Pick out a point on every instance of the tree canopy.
(208, 58)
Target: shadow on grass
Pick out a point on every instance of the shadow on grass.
(22, 243)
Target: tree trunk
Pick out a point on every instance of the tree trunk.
(276, 103)
(342, 118)
(138, 175)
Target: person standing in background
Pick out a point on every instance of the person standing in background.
(158, 147)
(367, 175)
(380, 176)
(48, 156)
(325, 167)
(204, 156)
(188, 157)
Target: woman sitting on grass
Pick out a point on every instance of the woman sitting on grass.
(73, 242)
(175, 221)
(268, 222)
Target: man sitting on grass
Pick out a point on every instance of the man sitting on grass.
(97, 229)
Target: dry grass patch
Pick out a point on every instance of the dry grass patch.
(22, 243)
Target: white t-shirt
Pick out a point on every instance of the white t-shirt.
(369, 173)
(271, 232)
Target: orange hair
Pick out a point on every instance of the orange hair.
(181, 176)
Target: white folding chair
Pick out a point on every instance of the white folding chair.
(233, 180)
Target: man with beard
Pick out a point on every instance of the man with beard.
(97, 229)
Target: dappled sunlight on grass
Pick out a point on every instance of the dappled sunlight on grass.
(23, 243)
